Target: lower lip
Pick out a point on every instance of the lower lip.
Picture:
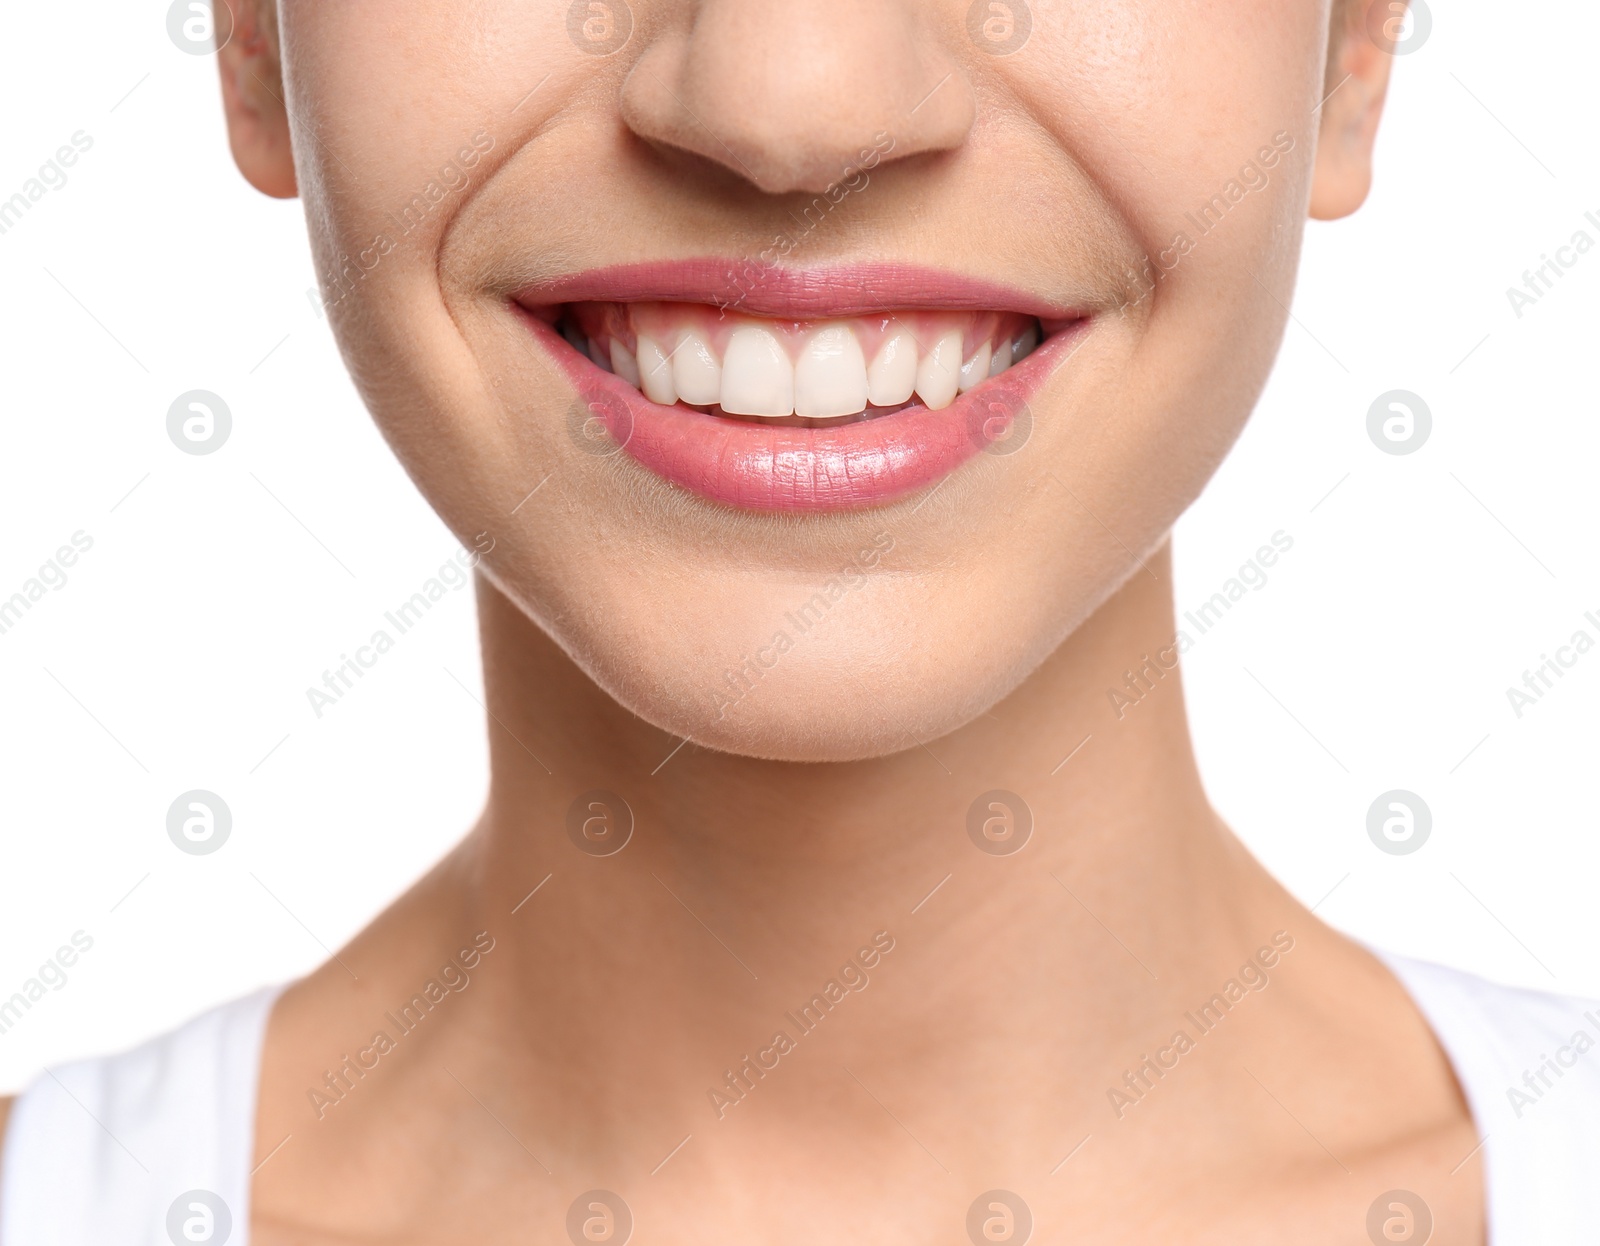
(776, 467)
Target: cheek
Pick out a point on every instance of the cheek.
(384, 106)
(1164, 107)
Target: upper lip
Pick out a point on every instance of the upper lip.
(762, 289)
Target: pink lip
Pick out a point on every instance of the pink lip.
(792, 293)
(772, 467)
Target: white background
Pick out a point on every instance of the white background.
(1377, 657)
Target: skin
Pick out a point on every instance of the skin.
(831, 801)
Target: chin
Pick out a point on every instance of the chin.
(834, 706)
(774, 674)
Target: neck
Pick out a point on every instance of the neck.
(748, 886)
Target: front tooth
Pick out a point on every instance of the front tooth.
(623, 363)
(977, 368)
(939, 373)
(655, 373)
(831, 377)
(892, 378)
(695, 371)
(757, 377)
(1001, 359)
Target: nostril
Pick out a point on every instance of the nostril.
(794, 97)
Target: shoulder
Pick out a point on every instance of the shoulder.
(98, 1145)
(1528, 1063)
(1493, 1029)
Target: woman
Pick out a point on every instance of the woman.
(814, 387)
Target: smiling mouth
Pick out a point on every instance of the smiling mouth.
(803, 389)
(814, 374)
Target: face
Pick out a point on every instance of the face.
(813, 369)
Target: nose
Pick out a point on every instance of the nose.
(789, 93)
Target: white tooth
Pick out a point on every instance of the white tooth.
(893, 375)
(696, 372)
(976, 369)
(655, 373)
(831, 376)
(623, 363)
(1001, 359)
(1025, 343)
(757, 377)
(939, 372)
(598, 355)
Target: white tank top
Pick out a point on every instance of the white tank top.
(155, 1147)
